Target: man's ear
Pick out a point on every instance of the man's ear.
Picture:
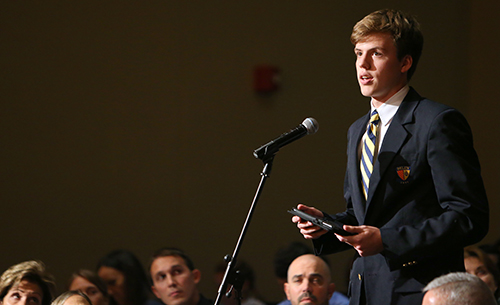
(155, 292)
(287, 289)
(196, 275)
(331, 290)
(406, 63)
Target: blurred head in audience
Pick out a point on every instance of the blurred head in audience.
(124, 277)
(479, 263)
(90, 284)
(72, 297)
(174, 277)
(458, 288)
(309, 281)
(27, 283)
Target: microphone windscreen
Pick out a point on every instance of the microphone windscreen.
(311, 125)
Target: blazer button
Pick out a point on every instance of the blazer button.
(359, 276)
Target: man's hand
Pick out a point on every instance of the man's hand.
(367, 241)
(307, 229)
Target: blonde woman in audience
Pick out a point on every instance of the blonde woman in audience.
(27, 283)
(478, 263)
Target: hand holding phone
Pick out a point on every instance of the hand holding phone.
(327, 224)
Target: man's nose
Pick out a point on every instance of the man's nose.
(306, 286)
(171, 281)
(363, 62)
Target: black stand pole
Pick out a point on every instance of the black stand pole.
(231, 276)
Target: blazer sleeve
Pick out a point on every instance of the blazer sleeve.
(463, 216)
(328, 243)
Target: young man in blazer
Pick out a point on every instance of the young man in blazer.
(425, 199)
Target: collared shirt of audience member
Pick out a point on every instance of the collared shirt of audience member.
(309, 281)
(174, 278)
(27, 283)
(480, 264)
(458, 288)
(90, 284)
(284, 256)
(125, 279)
(72, 297)
(426, 198)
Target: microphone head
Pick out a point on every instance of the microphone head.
(311, 125)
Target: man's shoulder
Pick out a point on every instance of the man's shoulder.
(423, 103)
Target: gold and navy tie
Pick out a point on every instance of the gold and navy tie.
(368, 151)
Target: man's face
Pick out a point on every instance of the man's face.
(308, 282)
(380, 73)
(173, 282)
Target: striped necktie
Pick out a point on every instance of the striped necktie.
(368, 151)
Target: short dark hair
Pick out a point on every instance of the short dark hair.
(163, 252)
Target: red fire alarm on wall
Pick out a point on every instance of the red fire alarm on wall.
(266, 78)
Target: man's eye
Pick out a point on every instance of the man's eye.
(91, 292)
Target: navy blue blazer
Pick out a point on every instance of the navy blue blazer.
(426, 196)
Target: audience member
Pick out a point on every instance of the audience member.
(175, 279)
(125, 279)
(249, 294)
(493, 252)
(479, 264)
(27, 283)
(89, 283)
(309, 281)
(72, 297)
(458, 288)
(285, 256)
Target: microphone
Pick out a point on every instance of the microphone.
(308, 126)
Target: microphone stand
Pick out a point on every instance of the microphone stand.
(230, 275)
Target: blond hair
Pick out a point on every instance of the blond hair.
(33, 271)
(403, 28)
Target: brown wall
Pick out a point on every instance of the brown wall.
(132, 124)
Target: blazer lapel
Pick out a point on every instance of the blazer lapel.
(356, 133)
(393, 141)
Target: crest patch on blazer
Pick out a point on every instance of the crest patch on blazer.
(403, 172)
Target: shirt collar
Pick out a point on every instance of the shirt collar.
(388, 109)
